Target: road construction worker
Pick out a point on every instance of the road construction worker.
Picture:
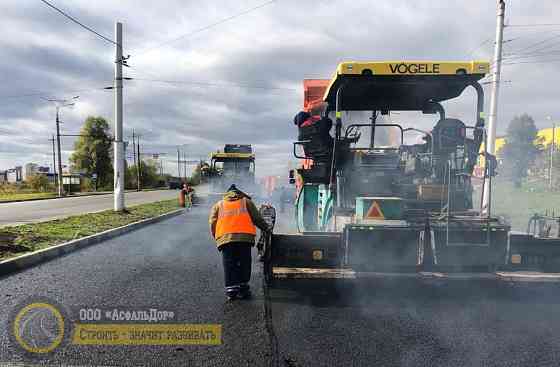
(188, 191)
(315, 131)
(233, 221)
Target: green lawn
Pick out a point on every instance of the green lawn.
(518, 205)
(26, 196)
(17, 240)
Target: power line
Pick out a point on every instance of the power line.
(528, 56)
(537, 44)
(479, 46)
(40, 94)
(517, 57)
(533, 25)
(224, 20)
(532, 62)
(547, 47)
(219, 85)
(79, 23)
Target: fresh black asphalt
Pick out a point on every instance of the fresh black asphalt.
(173, 265)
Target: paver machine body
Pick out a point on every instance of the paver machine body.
(399, 207)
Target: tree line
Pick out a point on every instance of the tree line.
(93, 157)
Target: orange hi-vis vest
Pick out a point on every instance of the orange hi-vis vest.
(233, 217)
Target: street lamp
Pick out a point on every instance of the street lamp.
(60, 103)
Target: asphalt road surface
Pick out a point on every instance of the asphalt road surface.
(173, 265)
(41, 210)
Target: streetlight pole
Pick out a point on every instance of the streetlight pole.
(60, 103)
(53, 140)
(60, 181)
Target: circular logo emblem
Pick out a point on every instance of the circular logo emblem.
(38, 327)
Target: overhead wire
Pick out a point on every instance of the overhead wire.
(534, 25)
(470, 53)
(532, 46)
(210, 84)
(531, 62)
(525, 56)
(41, 94)
(79, 23)
(198, 30)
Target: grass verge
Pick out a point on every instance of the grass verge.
(517, 205)
(17, 240)
(26, 196)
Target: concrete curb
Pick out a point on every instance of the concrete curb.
(34, 258)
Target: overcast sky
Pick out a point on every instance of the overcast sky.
(240, 81)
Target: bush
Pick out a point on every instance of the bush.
(38, 182)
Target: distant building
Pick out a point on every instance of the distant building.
(15, 175)
(3, 176)
(31, 169)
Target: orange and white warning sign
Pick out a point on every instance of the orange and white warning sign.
(374, 211)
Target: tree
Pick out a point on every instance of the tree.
(196, 177)
(521, 147)
(38, 182)
(92, 151)
(149, 176)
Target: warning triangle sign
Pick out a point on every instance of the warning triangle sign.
(374, 211)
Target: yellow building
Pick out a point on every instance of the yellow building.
(545, 134)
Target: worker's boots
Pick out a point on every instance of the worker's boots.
(232, 292)
(245, 291)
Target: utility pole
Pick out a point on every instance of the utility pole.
(178, 163)
(185, 165)
(138, 174)
(60, 178)
(60, 182)
(490, 144)
(118, 148)
(54, 160)
(134, 149)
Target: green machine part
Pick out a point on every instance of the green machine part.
(306, 206)
(326, 202)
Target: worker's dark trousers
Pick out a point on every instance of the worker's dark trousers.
(236, 257)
